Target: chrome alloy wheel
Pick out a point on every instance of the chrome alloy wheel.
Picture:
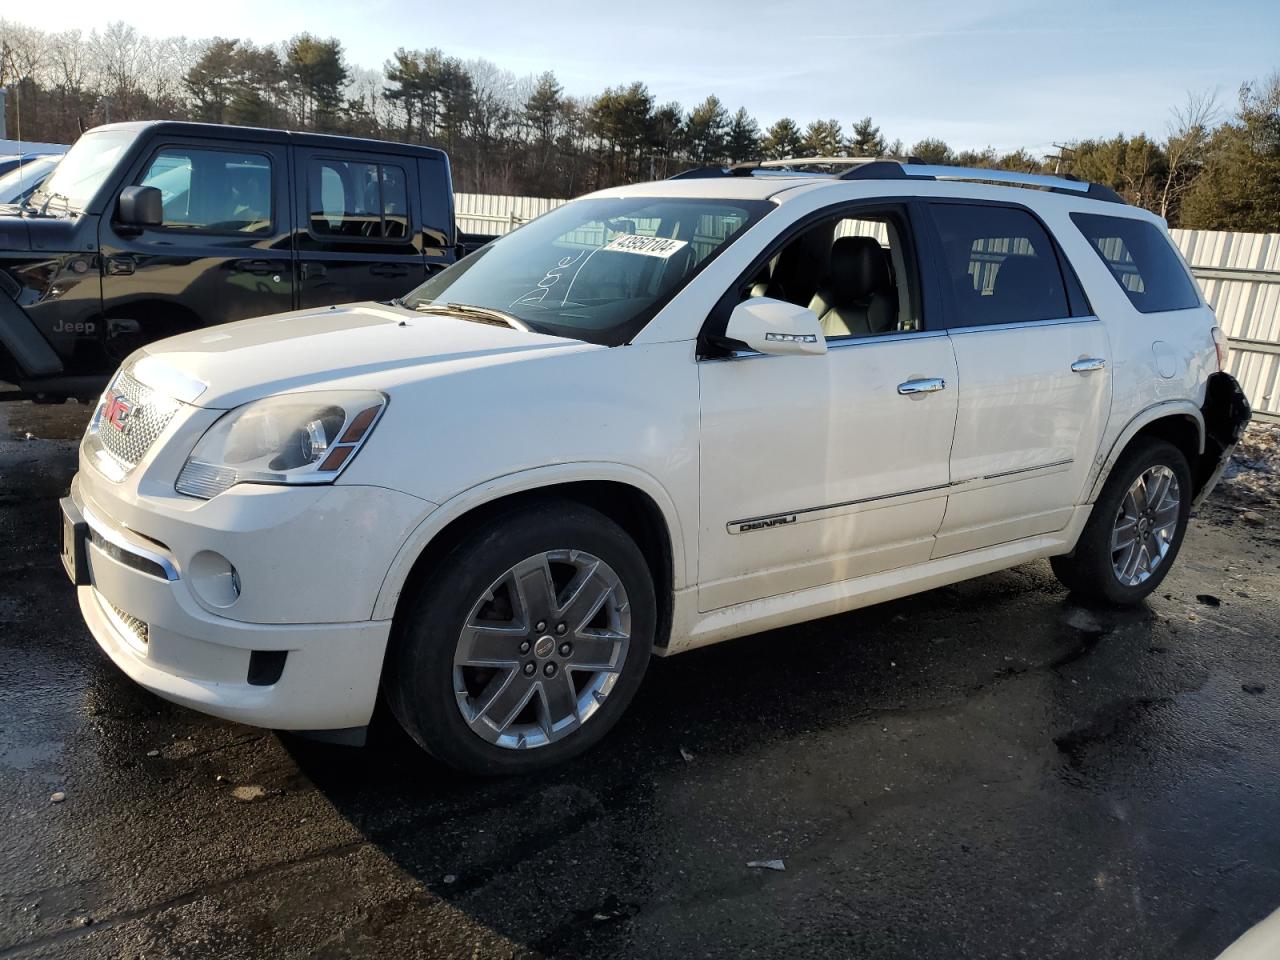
(541, 649)
(1145, 525)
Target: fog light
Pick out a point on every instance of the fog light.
(214, 579)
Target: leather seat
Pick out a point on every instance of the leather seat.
(858, 298)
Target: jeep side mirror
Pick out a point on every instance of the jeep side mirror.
(776, 326)
(140, 207)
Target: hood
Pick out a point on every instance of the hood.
(356, 346)
(22, 231)
(13, 230)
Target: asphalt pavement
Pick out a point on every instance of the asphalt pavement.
(986, 770)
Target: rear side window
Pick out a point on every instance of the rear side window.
(358, 199)
(437, 219)
(1000, 265)
(214, 191)
(1142, 261)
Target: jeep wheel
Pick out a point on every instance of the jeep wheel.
(527, 642)
(1135, 529)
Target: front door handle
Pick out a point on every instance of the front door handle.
(258, 267)
(927, 385)
(389, 270)
(1088, 365)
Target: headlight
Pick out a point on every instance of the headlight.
(291, 438)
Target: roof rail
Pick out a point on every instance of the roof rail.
(897, 168)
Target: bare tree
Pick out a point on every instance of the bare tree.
(1190, 128)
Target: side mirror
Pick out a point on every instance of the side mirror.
(140, 207)
(776, 326)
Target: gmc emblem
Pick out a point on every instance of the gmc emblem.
(116, 410)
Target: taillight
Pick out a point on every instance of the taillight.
(1220, 344)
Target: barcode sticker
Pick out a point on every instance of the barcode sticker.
(645, 246)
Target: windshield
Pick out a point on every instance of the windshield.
(595, 270)
(84, 167)
(21, 181)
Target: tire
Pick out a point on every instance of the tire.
(455, 707)
(1090, 571)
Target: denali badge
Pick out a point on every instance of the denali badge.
(746, 526)
(116, 410)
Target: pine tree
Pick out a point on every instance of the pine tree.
(783, 140)
(743, 139)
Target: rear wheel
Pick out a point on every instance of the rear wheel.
(527, 643)
(1136, 528)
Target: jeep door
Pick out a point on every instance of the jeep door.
(1035, 388)
(222, 251)
(360, 234)
(819, 469)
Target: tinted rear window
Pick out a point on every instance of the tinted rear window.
(1142, 261)
(1001, 264)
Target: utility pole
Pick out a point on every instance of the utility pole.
(1065, 154)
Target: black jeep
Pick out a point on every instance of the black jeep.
(145, 230)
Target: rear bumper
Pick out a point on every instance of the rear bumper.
(1226, 414)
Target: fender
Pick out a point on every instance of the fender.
(522, 482)
(1157, 411)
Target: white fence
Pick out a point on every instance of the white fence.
(1239, 273)
(1240, 276)
(491, 213)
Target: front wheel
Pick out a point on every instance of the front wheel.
(526, 643)
(1136, 527)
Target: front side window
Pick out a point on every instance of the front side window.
(358, 199)
(1000, 265)
(595, 270)
(1141, 260)
(214, 191)
(855, 271)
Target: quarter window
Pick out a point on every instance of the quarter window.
(215, 191)
(1141, 260)
(354, 198)
(1000, 264)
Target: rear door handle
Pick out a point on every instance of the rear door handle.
(389, 270)
(927, 385)
(1088, 364)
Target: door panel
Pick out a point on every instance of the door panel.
(359, 236)
(816, 469)
(223, 252)
(1027, 429)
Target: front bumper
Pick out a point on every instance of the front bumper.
(144, 600)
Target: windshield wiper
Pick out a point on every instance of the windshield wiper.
(52, 197)
(476, 314)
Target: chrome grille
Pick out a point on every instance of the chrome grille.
(149, 414)
(135, 626)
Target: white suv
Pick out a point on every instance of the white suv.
(658, 417)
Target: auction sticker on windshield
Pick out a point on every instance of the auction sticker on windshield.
(647, 246)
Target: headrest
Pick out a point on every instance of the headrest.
(859, 268)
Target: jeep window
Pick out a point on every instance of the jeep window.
(84, 168)
(357, 199)
(1141, 260)
(212, 191)
(595, 270)
(999, 264)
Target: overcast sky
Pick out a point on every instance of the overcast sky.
(975, 73)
